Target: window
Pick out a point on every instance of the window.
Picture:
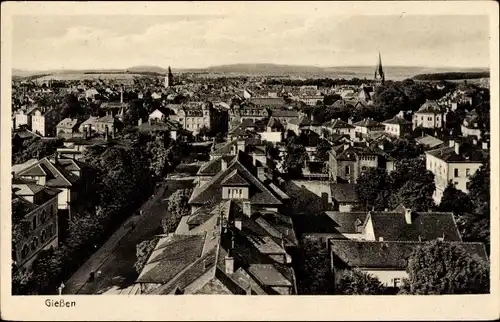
(347, 170)
(429, 118)
(43, 218)
(397, 282)
(25, 251)
(455, 172)
(44, 235)
(421, 118)
(34, 243)
(34, 222)
(467, 172)
(455, 183)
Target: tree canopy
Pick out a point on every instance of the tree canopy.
(356, 282)
(445, 268)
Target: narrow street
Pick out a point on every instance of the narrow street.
(116, 258)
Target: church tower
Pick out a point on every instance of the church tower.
(169, 78)
(379, 77)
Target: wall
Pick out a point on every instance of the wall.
(22, 119)
(428, 120)
(368, 232)
(271, 136)
(38, 123)
(468, 132)
(226, 195)
(387, 276)
(47, 228)
(462, 179)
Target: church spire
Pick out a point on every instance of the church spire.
(169, 78)
(379, 71)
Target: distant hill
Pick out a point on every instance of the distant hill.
(452, 76)
(391, 72)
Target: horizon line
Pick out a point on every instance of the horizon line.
(234, 64)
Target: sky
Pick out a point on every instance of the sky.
(45, 42)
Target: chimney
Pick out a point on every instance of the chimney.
(229, 263)
(451, 143)
(85, 133)
(349, 120)
(485, 145)
(247, 208)
(457, 148)
(241, 145)
(56, 157)
(408, 215)
(261, 173)
(121, 95)
(380, 239)
(238, 223)
(223, 164)
(106, 134)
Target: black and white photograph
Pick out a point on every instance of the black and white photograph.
(200, 151)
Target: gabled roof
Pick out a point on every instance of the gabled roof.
(425, 226)
(338, 124)
(56, 175)
(214, 166)
(429, 106)
(429, 141)
(234, 179)
(466, 154)
(389, 255)
(274, 123)
(68, 123)
(107, 119)
(284, 113)
(212, 190)
(171, 255)
(397, 120)
(368, 122)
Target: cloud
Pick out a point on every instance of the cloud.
(198, 41)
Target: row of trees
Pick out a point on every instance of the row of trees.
(34, 148)
(125, 177)
(433, 268)
(176, 207)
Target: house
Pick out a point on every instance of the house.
(89, 126)
(192, 116)
(284, 116)
(44, 122)
(235, 241)
(117, 109)
(347, 161)
(36, 206)
(108, 125)
(158, 115)
(365, 127)
(344, 196)
(239, 113)
(397, 126)
(274, 130)
(470, 126)
(174, 129)
(454, 163)
(311, 100)
(23, 117)
(68, 127)
(304, 123)
(429, 141)
(386, 260)
(64, 175)
(267, 102)
(338, 126)
(232, 251)
(430, 115)
(366, 93)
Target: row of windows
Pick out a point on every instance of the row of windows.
(43, 217)
(235, 193)
(429, 118)
(35, 242)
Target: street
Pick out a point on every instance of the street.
(116, 258)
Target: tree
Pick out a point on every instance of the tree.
(445, 268)
(455, 201)
(414, 195)
(356, 282)
(143, 251)
(373, 188)
(404, 148)
(411, 170)
(35, 148)
(177, 207)
(312, 269)
(322, 150)
(295, 157)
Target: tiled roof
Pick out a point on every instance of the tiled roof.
(171, 255)
(331, 222)
(167, 125)
(214, 166)
(274, 123)
(392, 226)
(344, 192)
(338, 124)
(429, 140)
(368, 122)
(392, 255)
(284, 113)
(106, 119)
(212, 190)
(267, 101)
(56, 175)
(397, 120)
(68, 123)
(466, 154)
(429, 106)
(234, 179)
